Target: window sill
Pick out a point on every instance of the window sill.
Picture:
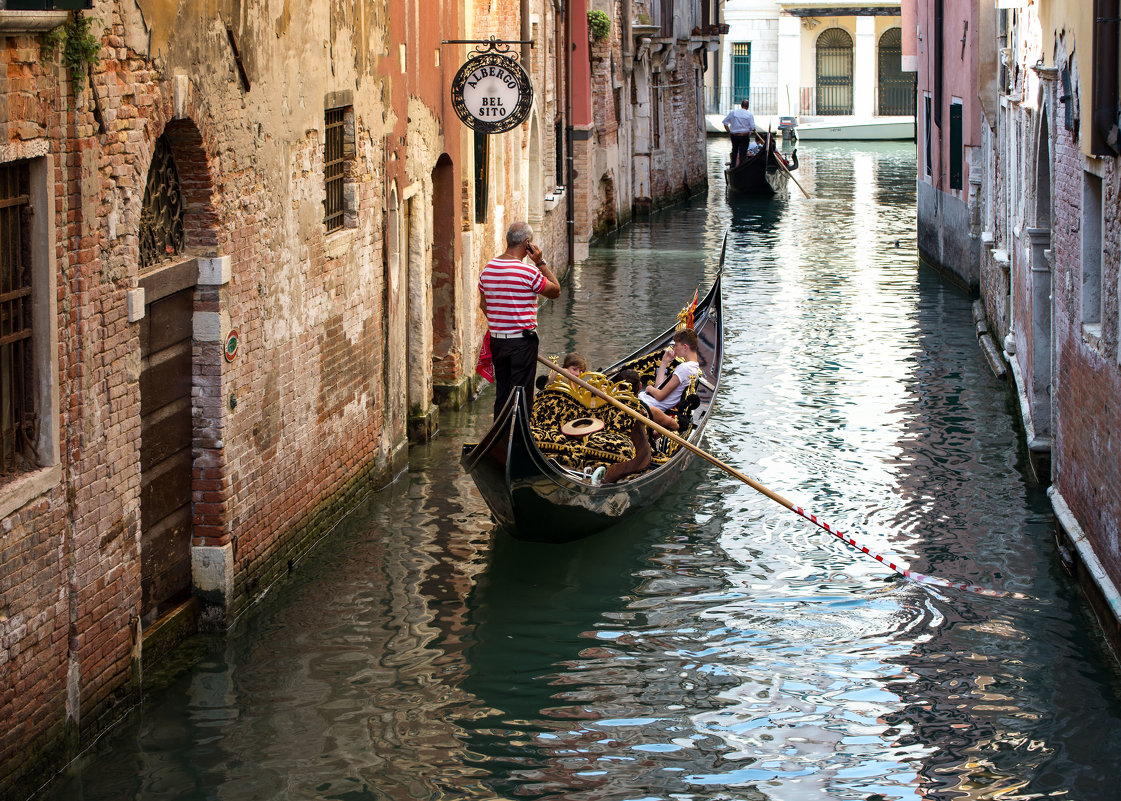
(21, 491)
(16, 22)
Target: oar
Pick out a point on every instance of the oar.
(774, 496)
(785, 169)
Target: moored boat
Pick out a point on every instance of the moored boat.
(764, 171)
(537, 468)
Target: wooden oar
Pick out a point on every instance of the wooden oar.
(666, 432)
(780, 163)
(774, 496)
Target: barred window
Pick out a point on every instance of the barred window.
(335, 167)
(17, 408)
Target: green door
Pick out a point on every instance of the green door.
(741, 72)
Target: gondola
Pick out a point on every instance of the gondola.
(761, 173)
(537, 470)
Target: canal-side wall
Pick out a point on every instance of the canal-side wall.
(948, 117)
(944, 235)
(644, 145)
(1050, 272)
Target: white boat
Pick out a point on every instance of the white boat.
(856, 128)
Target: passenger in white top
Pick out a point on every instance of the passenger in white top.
(665, 392)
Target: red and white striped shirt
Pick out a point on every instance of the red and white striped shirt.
(511, 287)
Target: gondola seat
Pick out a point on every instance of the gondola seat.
(559, 403)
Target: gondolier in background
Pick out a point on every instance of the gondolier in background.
(508, 290)
(740, 125)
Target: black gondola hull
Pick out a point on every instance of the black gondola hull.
(760, 173)
(536, 499)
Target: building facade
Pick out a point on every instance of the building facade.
(1040, 241)
(240, 255)
(813, 60)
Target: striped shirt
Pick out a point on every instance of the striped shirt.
(511, 287)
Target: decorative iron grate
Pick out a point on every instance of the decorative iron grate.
(161, 218)
(17, 409)
(896, 88)
(334, 167)
(834, 72)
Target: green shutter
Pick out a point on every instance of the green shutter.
(956, 151)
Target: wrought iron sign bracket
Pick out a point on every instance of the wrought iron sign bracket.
(490, 45)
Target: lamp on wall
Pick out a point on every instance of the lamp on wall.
(809, 23)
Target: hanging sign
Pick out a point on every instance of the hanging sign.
(491, 93)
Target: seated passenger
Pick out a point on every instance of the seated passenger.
(575, 364)
(665, 392)
(639, 439)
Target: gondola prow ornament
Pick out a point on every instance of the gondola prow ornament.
(491, 93)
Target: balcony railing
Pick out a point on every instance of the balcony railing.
(764, 100)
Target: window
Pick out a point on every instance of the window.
(482, 157)
(957, 150)
(339, 202)
(161, 219)
(1105, 84)
(927, 132)
(1091, 251)
(656, 117)
(28, 338)
(17, 406)
(834, 73)
(47, 5)
(741, 72)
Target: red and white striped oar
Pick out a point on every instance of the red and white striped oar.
(921, 578)
(774, 496)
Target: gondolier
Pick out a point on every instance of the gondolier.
(508, 290)
(740, 125)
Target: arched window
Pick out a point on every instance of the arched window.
(161, 216)
(896, 91)
(834, 72)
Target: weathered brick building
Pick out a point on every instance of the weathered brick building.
(239, 250)
(1045, 193)
(239, 265)
(638, 127)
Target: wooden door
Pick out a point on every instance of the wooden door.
(165, 450)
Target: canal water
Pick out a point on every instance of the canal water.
(716, 646)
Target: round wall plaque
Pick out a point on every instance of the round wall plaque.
(229, 349)
(491, 93)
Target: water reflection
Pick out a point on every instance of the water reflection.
(717, 646)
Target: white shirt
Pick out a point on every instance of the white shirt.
(684, 372)
(740, 121)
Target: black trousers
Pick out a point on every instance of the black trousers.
(740, 144)
(515, 365)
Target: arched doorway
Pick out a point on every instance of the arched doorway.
(1039, 238)
(834, 72)
(166, 335)
(896, 89)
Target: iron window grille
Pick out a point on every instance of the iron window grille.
(161, 215)
(334, 167)
(17, 409)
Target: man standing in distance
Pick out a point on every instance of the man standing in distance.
(740, 124)
(508, 290)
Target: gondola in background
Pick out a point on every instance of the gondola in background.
(764, 171)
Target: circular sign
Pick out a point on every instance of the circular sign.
(229, 349)
(491, 93)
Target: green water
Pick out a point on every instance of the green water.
(717, 646)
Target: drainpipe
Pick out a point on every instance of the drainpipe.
(628, 42)
(527, 31)
(569, 156)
